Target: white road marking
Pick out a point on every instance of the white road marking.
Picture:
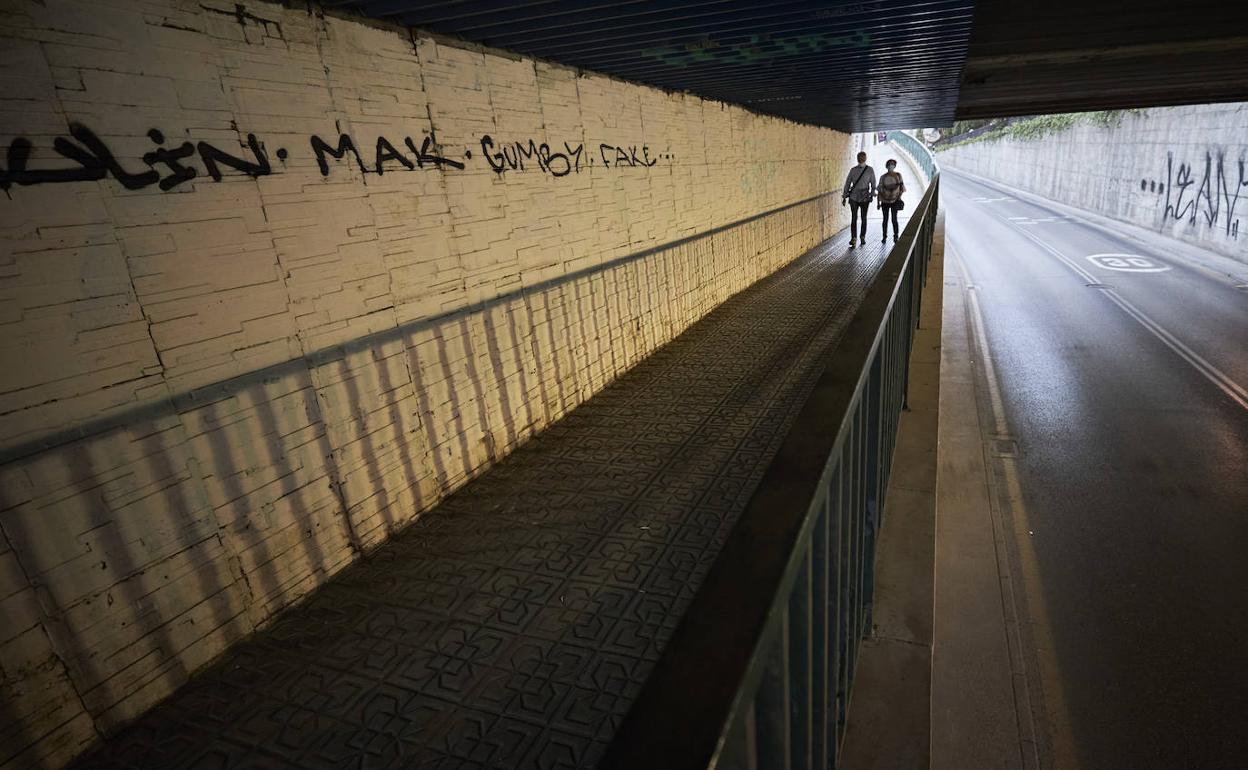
(1058, 713)
(1127, 263)
(1237, 392)
(1056, 220)
(977, 326)
(1042, 202)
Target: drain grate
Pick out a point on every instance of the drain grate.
(1001, 447)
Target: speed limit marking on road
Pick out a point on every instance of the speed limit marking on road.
(1127, 263)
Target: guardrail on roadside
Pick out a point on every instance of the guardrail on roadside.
(759, 671)
(917, 151)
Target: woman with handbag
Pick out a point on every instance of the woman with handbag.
(889, 188)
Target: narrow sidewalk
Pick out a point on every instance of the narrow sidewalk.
(981, 713)
(888, 725)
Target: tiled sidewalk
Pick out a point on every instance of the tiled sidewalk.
(513, 625)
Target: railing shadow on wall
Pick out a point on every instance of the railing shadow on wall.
(759, 671)
(244, 478)
(194, 398)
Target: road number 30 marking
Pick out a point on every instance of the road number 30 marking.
(1127, 263)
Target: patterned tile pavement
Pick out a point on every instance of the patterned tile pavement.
(513, 626)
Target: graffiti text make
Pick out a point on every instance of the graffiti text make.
(88, 157)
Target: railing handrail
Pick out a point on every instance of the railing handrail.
(710, 668)
(924, 158)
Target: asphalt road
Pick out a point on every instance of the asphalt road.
(1124, 394)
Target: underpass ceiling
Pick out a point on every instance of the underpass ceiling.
(1032, 58)
(849, 65)
(862, 65)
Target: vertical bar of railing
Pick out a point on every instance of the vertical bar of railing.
(872, 407)
(845, 595)
(800, 668)
(751, 736)
(772, 705)
(911, 309)
(738, 746)
(856, 505)
(890, 410)
(836, 630)
(858, 502)
(824, 605)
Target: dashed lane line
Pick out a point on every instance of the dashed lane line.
(1219, 378)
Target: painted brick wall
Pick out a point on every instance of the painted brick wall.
(219, 390)
(1180, 171)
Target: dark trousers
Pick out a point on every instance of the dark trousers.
(888, 207)
(853, 218)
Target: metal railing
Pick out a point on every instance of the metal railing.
(759, 671)
(918, 152)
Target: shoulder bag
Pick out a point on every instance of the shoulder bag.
(899, 204)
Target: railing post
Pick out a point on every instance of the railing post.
(772, 724)
(801, 668)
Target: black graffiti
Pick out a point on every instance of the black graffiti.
(625, 156)
(385, 152)
(96, 161)
(1216, 196)
(1178, 209)
(171, 159)
(423, 155)
(212, 157)
(17, 173)
(512, 155)
(97, 155)
(345, 145)
(171, 166)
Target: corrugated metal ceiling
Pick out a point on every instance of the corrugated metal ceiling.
(1029, 57)
(853, 66)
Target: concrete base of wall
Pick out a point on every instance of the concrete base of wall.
(980, 715)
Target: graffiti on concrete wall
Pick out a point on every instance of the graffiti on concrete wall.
(426, 156)
(84, 156)
(93, 160)
(1208, 194)
(511, 156)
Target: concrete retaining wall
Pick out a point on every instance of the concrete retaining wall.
(1181, 171)
(275, 282)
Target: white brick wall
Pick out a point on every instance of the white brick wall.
(217, 395)
(1180, 171)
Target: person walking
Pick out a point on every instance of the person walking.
(859, 189)
(890, 189)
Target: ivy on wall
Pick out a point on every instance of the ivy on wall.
(1032, 128)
